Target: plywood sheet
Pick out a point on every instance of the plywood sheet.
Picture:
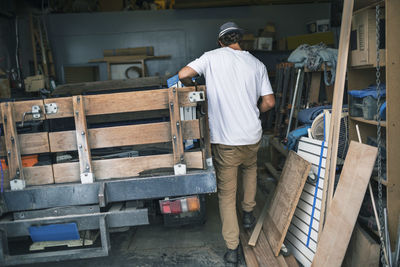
(285, 199)
(346, 203)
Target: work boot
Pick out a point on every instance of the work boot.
(248, 219)
(231, 256)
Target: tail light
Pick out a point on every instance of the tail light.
(179, 205)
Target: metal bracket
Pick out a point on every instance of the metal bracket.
(102, 195)
(17, 184)
(51, 108)
(180, 169)
(196, 96)
(35, 112)
(87, 178)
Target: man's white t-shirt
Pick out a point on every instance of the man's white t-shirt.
(235, 80)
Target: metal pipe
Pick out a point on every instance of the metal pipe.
(293, 103)
(397, 251)
(387, 238)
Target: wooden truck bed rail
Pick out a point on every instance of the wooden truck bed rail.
(84, 139)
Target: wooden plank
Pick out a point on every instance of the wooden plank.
(257, 228)
(342, 215)
(81, 133)
(80, 88)
(291, 261)
(123, 135)
(337, 104)
(11, 141)
(393, 115)
(274, 172)
(313, 96)
(363, 250)
(127, 59)
(285, 199)
(37, 175)
(176, 126)
(249, 255)
(120, 102)
(21, 107)
(123, 167)
(34, 143)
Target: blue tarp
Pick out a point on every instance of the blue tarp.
(370, 91)
(307, 116)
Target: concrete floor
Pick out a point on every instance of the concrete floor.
(156, 245)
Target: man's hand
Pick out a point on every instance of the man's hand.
(268, 102)
(186, 74)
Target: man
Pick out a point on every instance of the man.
(235, 80)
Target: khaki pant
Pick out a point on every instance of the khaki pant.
(227, 160)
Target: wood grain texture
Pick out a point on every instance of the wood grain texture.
(313, 96)
(285, 199)
(257, 228)
(33, 143)
(341, 68)
(38, 175)
(80, 88)
(123, 135)
(123, 167)
(363, 250)
(120, 102)
(11, 142)
(81, 133)
(393, 115)
(21, 107)
(346, 203)
(176, 126)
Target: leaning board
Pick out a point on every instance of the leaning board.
(303, 232)
(346, 203)
(285, 199)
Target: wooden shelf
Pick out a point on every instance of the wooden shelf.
(372, 122)
(371, 66)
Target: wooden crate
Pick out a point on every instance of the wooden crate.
(85, 139)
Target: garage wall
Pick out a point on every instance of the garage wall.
(184, 34)
(7, 56)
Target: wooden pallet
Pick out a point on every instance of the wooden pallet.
(84, 139)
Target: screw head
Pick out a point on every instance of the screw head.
(177, 124)
(174, 137)
(82, 133)
(80, 146)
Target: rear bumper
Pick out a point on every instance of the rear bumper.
(103, 192)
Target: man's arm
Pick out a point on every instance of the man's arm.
(267, 102)
(186, 74)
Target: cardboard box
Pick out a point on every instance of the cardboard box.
(363, 38)
(312, 39)
(34, 83)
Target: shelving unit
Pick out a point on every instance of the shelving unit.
(361, 77)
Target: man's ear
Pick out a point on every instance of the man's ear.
(220, 44)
